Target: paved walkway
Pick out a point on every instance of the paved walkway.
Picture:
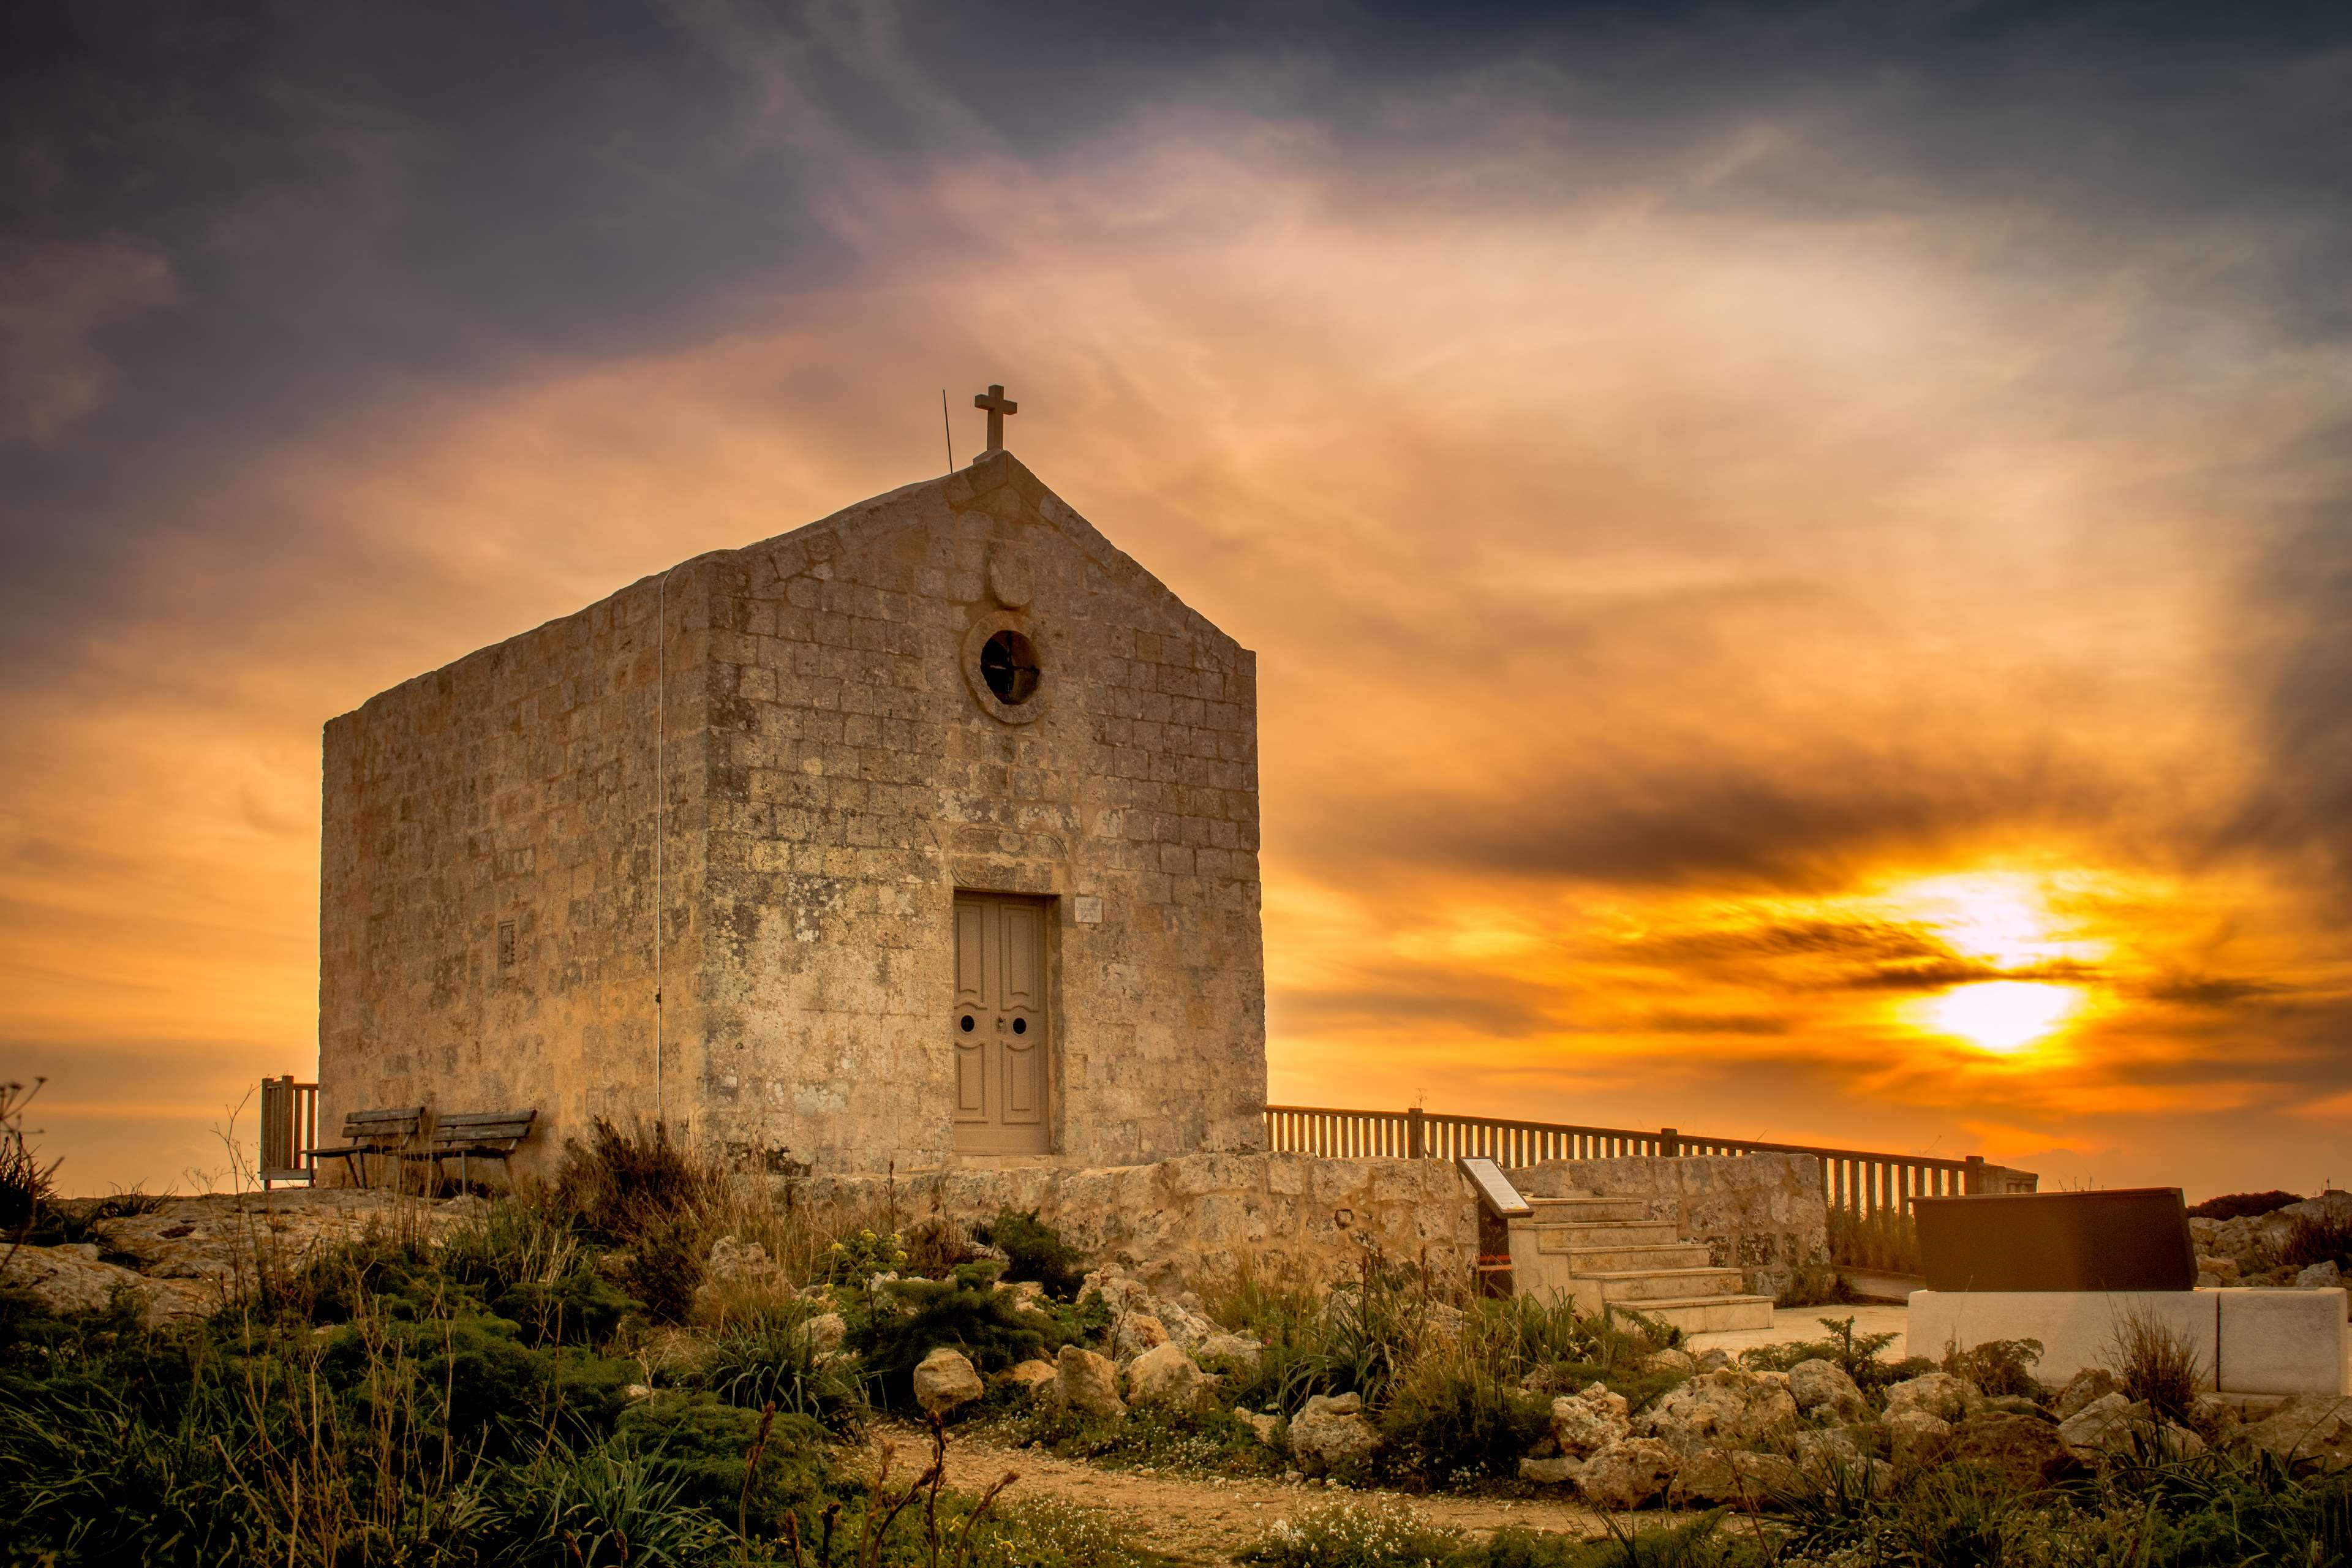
(1793, 1324)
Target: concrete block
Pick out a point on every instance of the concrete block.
(2077, 1328)
(2282, 1341)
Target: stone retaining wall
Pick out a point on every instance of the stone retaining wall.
(1200, 1217)
(1759, 1213)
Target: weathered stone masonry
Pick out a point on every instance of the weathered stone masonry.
(834, 778)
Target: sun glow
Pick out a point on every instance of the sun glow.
(2001, 1015)
(2002, 918)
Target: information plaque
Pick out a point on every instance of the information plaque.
(1494, 1188)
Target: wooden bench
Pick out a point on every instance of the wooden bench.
(366, 1132)
(476, 1135)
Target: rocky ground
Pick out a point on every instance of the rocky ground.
(2256, 1248)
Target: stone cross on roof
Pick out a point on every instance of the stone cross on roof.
(998, 407)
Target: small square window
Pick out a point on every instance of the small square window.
(506, 945)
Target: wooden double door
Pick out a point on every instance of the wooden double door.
(1001, 1028)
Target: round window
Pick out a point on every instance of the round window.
(1008, 662)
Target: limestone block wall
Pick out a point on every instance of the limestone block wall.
(488, 878)
(1759, 1213)
(857, 783)
(1201, 1218)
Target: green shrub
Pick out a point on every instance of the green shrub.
(1454, 1417)
(1352, 1534)
(665, 1269)
(710, 1446)
(1701, 1543)
(854, 1260)
(1887, 1240)
(2241, 1205)
(620, 1185)
(772, 1359)
(1814, 1285)
(935, 1247)
(608, 1506)
(908, 1319)
(1857, 1354)
(580, 1308)
(1999, 1367)
(1035, 1251)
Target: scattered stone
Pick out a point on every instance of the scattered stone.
(1938, 1393)
(1713, 1359)
(1679, 1364)
(637, 1391)
(1826, 1455)
(1331, 1435)
(1554, 1472)
(1727, 1406)
(2213, 1416)
(1629, 1474)
(1087, 1384)
(2224, 1269)
(2319, 1274)
(1734, 1477)
(2015, 1404)
(1167, 1376)
(1129, 1298)
(1587, 1422)
(1265, 1426)
(2102, 1426)
(1916, 1434)
(1137, 1332)
(1817, 1385)
(2090, 1384)
(945, 1380)
(1031, 1376)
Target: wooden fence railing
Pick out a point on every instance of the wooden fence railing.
(1856, 1181)
(290, 1124)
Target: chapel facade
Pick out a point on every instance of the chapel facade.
(924, 834)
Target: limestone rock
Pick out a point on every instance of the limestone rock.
(1824, 1455)
(1137, 1332)
(826, 1331)
(1031, 1376)
(2323, 1273)
(1728, 1406)
(1330, 1436)
(2214, 1415)
(1712, 1360)
(1587, 1422)
(1265, 1426)
(1239, 1348)
(2091, 1384)
(2309, 1429)
(1734, 1477)
(2102, 1426)
(2024, 1450)
(1678, 1363)
(1938, 1393)
(1168, 1377)
(944, 1380)
(1553, 1472)
(1629, 1474)
(68, 1280)
(1823, 1385)
(1916, 1434)
(1087, 1384)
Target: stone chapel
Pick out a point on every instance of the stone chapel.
(923, 835)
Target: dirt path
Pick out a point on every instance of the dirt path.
(1201, 1520)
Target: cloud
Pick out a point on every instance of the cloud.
(56, 300)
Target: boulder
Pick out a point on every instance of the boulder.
(1087, 1384)
(1265, 1426)
(1734, 1477)
(1630, 1474)
(2320, 1273)
(1936, 1393)
(1127, 1297)
(1587, 1422)
(1823, 1386)
(1915, 1435)
(1551, 1472)
(1331, 1436)
(944, 1380)
(2025, 1451)
(1168, 1377)
(2103, 1427)
(1239, 1348)
(71, 1280)
(1031, 1376)
(1824, 1455)
(2310, 1429)
(2214, 1415)
(2091, 1384)
(1712, 1360)
(1676, 1364)
(1724, 1407)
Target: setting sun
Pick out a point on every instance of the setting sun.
(2003, 1015)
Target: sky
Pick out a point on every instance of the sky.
(1800, 557)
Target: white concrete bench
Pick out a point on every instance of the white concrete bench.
(2246, 1341)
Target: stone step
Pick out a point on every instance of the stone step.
(1602, 1260)
(1592, 1210)
(1634, 1287)
(1707, 1315)
(1573, 1235)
